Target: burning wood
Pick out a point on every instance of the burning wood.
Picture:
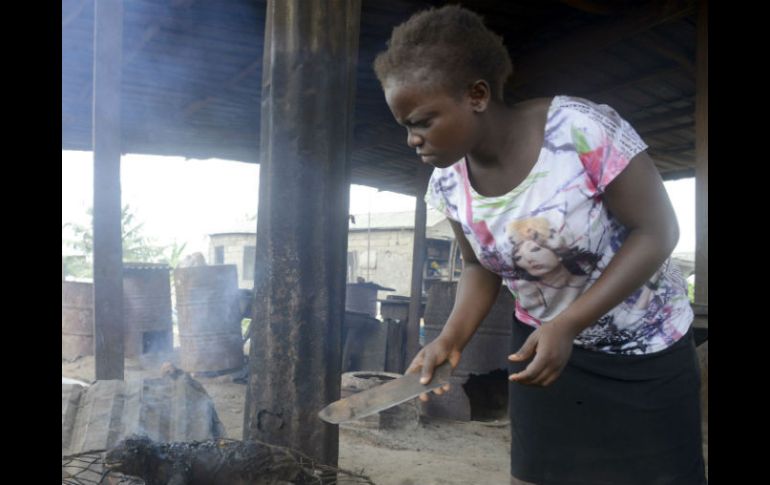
(220, 461)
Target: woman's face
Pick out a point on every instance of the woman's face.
(535, 259)
(441, 128)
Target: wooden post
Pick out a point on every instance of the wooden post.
(452, 259)
(308, 87)
(702, 160)
(108, 250)
(418, 262)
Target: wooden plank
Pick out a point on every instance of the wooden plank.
(108, 251)
(418, 262)
(308, 79)
(452, 259)
(702, 160)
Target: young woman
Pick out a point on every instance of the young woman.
(602, 391)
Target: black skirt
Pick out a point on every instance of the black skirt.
(610, 419)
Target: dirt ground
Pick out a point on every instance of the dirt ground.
(438, 452)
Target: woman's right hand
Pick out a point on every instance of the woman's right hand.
(430, 357)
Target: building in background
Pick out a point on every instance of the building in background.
(379, 250)
(238, 248)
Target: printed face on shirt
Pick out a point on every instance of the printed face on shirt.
(535, 259)
(440, 127)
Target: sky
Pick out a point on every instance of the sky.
(184, 200)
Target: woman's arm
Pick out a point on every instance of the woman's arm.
(638, 200)
(477, 291)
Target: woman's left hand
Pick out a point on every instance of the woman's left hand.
(551, 344)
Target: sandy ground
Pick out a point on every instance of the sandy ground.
(438, 452)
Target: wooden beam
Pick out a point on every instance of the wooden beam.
(702, 160)
(308, 87)
(418, 263)
(108, 250)
(453, 248)
(596, 37)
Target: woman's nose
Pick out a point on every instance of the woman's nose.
(413, 140)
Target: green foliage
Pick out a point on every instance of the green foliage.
(173, 254)
(245, 326)
(137, 247)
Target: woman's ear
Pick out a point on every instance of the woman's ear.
(479, 94)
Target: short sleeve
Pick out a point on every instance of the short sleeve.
(604, 141)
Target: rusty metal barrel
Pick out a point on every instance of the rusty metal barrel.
(207, 302)
(489, 348)
(77, 319)
(487, 352)
(147, 308)
(362, 297)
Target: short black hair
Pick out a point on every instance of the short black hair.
(449, 46)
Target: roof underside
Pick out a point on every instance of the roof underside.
(192, 75)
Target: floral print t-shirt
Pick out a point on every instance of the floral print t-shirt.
(551, 237)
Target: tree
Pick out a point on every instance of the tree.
(137, 247)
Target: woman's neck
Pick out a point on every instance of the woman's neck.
(506, 154)
(497, 127)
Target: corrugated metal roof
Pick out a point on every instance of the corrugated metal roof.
(192, 75)
(165, 409)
